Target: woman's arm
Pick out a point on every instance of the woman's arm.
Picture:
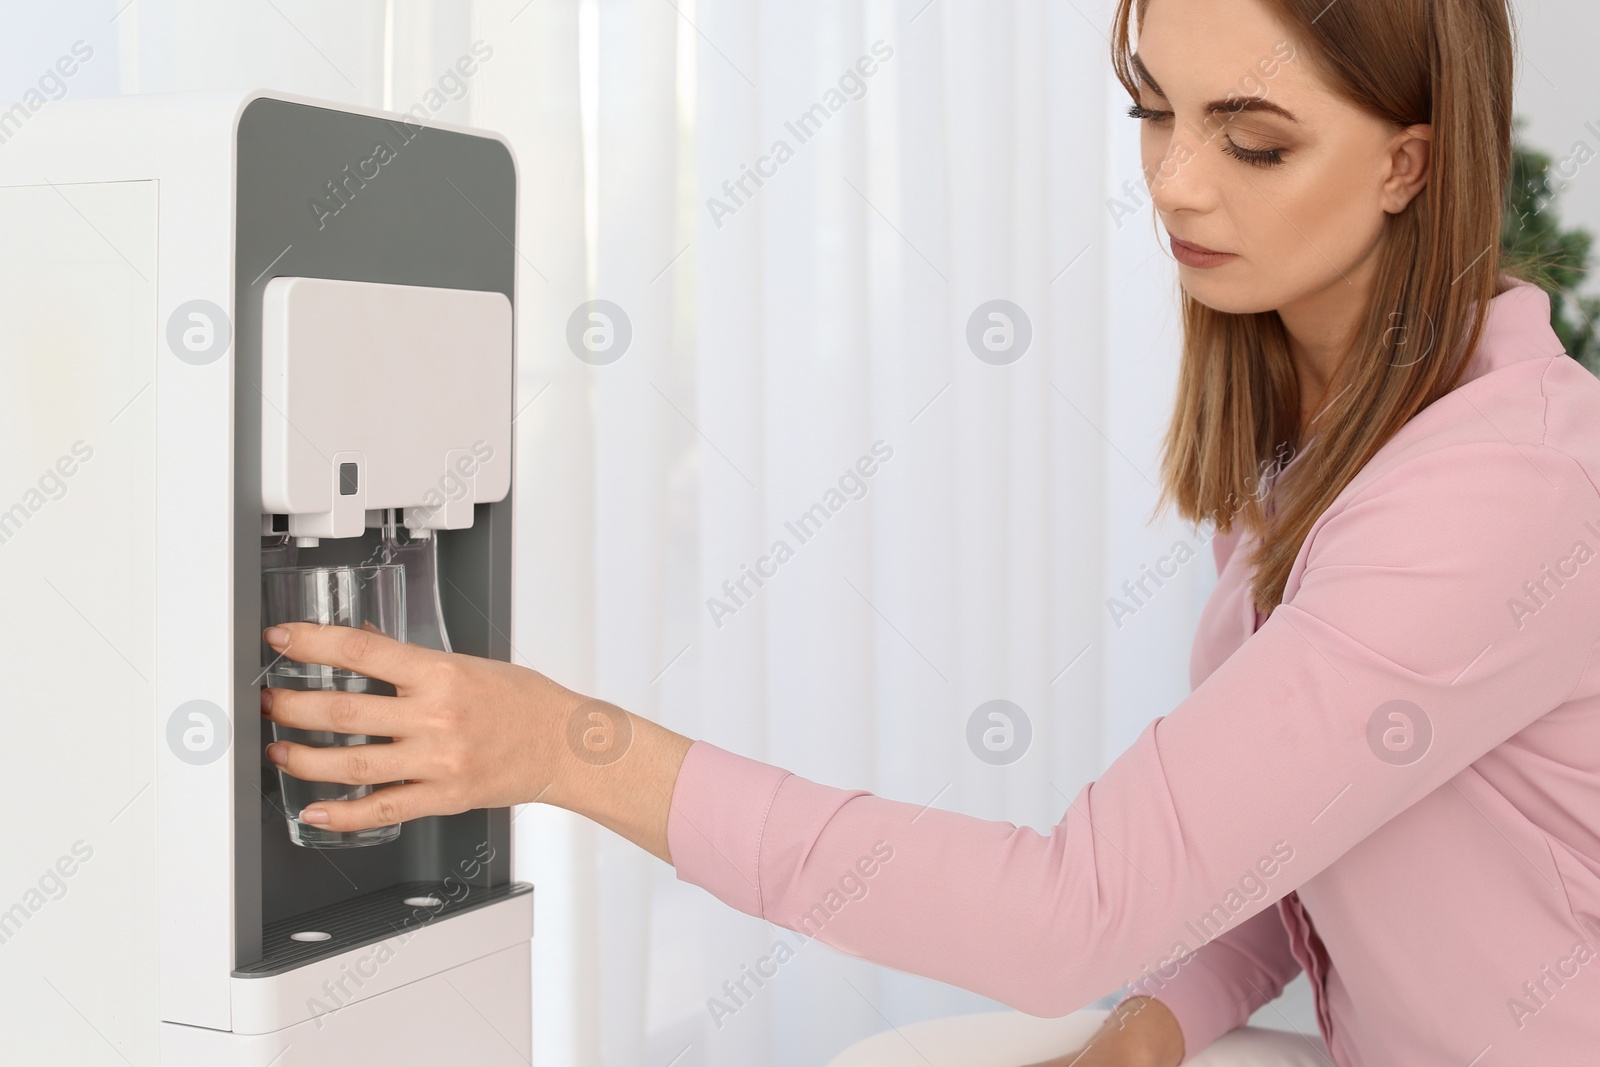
(1269, 771)
(1394, 665)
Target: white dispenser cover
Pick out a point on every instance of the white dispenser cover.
(383, 396)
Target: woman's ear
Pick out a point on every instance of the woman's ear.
(1410, 158)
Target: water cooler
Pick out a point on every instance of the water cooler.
(236, 326)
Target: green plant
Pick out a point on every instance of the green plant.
(1556, 259)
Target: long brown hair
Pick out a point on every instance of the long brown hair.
(1443, 62)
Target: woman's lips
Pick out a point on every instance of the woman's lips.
(1196, 256)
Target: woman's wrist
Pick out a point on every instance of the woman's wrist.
(619, 770)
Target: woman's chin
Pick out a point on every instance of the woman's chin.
(1231, 293)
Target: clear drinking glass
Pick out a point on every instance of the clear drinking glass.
(371, 596)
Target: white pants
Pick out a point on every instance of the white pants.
(1011, 1039)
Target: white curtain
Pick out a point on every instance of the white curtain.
(779, 331)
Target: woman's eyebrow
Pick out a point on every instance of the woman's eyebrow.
(1232, 105)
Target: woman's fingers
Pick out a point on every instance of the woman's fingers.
(332, 709)
(369, 764)
(367, 652)
(468, 732)
(381, 807)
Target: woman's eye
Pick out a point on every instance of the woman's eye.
(1139, 112)
(1260, 157)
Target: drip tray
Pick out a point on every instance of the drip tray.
(367, 919)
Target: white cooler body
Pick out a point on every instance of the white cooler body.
(181, 279)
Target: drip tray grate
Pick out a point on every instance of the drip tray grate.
(366, 920)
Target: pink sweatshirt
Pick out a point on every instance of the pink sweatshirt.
(1391, 782)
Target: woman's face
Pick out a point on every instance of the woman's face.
(1247, 151)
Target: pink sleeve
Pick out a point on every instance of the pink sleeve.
(1219, 987)
(1400, 632)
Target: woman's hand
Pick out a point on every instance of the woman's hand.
(1139, 1032)
(468, 733)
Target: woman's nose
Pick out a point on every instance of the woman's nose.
(1185, 179)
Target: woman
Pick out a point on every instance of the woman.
(1388, 772)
